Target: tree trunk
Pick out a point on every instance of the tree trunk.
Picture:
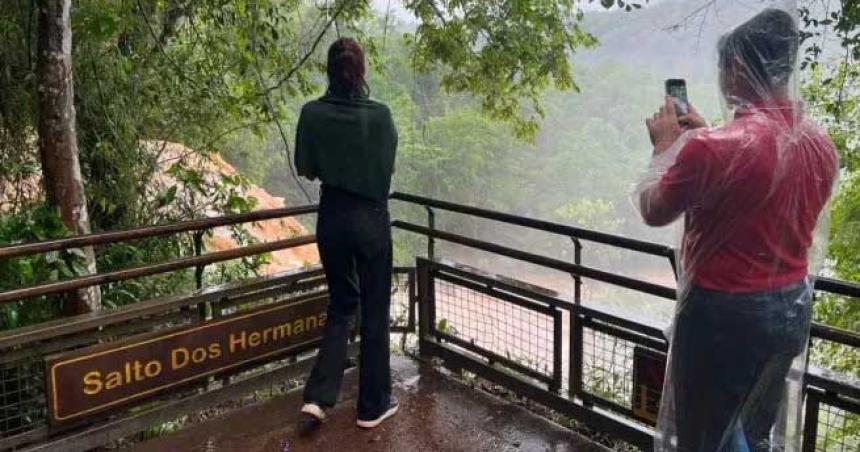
(58, 143)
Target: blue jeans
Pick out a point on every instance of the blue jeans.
(354, 241)
(730, 357)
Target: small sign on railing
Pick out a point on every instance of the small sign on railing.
(649, 369)
(94, 379)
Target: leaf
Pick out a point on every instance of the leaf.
(167, 197)
(77, 252)
(52, 257)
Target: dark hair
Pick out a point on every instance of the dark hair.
(346, 69)
(766, 47)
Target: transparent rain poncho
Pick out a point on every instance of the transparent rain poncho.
(750, 193)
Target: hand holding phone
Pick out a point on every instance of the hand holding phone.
(676, 88)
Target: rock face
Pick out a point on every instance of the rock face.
(213, 168)
(267, 231)
(194, 204)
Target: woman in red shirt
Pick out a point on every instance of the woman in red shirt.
(751, 193)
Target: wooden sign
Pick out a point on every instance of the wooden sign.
(649, 369)
(91, 380)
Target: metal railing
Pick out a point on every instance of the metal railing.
(23, 412)
(23, 351)
(463, 316)
(572, 358)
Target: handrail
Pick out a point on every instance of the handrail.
(833, 334)
(835, 286)
(847, 288)
(838, 286)
(155, 306)
(149, 270)
(543, 225)
(588, 272)
(104, 238)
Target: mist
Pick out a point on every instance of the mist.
(581, 168)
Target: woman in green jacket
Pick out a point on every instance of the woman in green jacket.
(348, 142)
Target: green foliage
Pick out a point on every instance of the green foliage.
(502, 52)
(821, 21)
(150, 70)
(833, 98)
(832, 93)
(34, 223)
(845, 227)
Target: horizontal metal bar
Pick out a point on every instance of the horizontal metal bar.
(624, 334)
(496, 284)
(835, 286)
(149, 270)
(818, 330)
(599, 275)
(649, 331)
(838, 287)
(37, 433)
(835, 400)
(104, 238)
(547, 226)
(833, 386)
(494, 357)
(834, 334)
(625, 431)
(524, 303)
(38, 350)
(590, 398)
(86, 322)
(313, 286)
(503, 285)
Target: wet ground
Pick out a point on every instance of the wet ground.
(437, 413)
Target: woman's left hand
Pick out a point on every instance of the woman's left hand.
(663, 127)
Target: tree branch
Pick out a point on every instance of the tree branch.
(290, 73)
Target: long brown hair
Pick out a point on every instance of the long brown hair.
(346, 69)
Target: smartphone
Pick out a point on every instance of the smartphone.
(676, 88)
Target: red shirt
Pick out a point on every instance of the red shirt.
(751, 192)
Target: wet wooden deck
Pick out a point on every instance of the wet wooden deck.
(437, 413)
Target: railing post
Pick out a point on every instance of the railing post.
(413, 301)
(810, 419)
(556, 351)
(577, 259)
(575, 345)
(426, 303)
(431, 241)
(199, 271)
(673, 262)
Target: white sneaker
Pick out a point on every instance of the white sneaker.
(314, 411)
(371, 423)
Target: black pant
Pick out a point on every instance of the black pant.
(354, 240)
(730, 357)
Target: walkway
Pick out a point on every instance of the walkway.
(437, 413)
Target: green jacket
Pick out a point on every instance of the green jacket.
(349, 144)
